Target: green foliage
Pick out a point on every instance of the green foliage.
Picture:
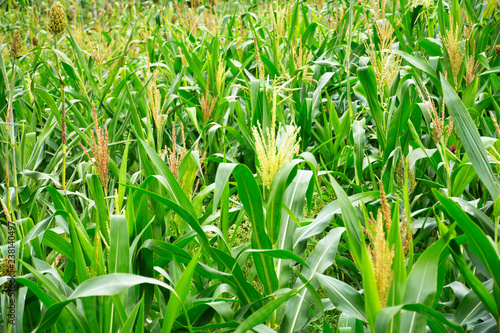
(150, 213)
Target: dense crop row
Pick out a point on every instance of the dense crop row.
(234, 166)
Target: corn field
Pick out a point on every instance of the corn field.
(250, 166)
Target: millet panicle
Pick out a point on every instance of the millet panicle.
(57, 18)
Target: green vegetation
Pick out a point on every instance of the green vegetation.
(250, 166)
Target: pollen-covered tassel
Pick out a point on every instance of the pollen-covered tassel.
(404, 166)
(386, 208)
(207, 104)
(117, 201)
(451, 41)
(260, 66)
(271, 154)
(406, 233)
(472, 68)
(155, 106)
(174, 157)
(99, 147)
(437, 129)
(381, 255)
(6, 211)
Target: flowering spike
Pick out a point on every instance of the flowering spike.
(16, 46)
(57, 19)
(381, 255)
(271, 154)
(99, 149)
(451, 41)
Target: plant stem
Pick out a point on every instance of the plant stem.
(63, 128)
(10, 138)
(446, 165)
(63, 120)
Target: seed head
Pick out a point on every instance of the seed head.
(34, 40)
(8, 269)
(173, 18)
(497, 49)
(57, 19)
(16, 45)
(89, 15)
(71, 13)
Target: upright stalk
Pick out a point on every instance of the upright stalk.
(63, 135)
(348, 63)
(10, 139)
(446, 165)
(63, 120)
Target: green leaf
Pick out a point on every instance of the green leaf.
(386, 314)
(479, 243)
(470, 138)
(318, 261)
(112, 284)
(368, 81)
(421, 286)
(182, 289)
(249, 194)
(123, 176)
(358, 133)
(351, 220)
(343, 296)
(274, 203)
(420, 64)
(479, 289)
(460, 178)
(280, 254)
(118, 259)
(265, 312)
